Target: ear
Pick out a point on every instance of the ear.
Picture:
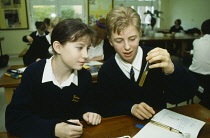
(110, 41)
(57, 47)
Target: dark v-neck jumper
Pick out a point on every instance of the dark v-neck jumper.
(37, 107)
(118, 93)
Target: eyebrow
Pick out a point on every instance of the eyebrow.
(128, 37)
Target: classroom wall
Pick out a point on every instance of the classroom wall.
(191, 12)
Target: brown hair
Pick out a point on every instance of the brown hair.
(205, 27)
(40, 25)
(70, 30)
(100, 33)
(121, 17)
(47, 21)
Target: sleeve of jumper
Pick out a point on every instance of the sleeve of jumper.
(25, 39)
(109, 103)
(180, 85)
(89, 101)
(20, 119)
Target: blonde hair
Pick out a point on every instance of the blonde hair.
(55, 21)
(121, 17)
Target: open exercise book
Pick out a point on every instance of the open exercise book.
(169, 124)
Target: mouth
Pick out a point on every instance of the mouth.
(82, 63)
(127, 54)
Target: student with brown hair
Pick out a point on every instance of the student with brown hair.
(100, 48)
(177, 26)
(40, 32)
(118, 79)
(53, 91)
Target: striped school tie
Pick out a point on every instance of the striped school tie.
(132, 74)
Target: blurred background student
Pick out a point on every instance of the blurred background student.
(177, 26)
(200, 66)
(175, 47)
(40, 32)
(100, 48)
(53, 23)
(47, 23)
(41, 48)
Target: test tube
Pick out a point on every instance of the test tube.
(144, 74)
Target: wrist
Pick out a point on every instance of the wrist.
(169, 70)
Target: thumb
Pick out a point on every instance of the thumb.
(86, 117)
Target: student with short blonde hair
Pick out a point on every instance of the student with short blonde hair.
(119, 90)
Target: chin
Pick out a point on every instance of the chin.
(128, 59)
(78, 68)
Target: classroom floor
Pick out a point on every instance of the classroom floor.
(16, 60)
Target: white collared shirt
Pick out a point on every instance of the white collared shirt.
(48, 37)
(96, 51)
(125, 66)
(200, 62)
(48, 76)
(37, 34)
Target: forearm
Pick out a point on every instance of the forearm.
(181, 85)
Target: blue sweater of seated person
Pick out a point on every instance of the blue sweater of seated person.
(118, 93)
(37, 107)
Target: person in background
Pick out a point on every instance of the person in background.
(119, 91)
(176, 46)
(200, 66)
(41, 48)
(47, 23)
(176, 27)
(55, 90)
(100, 48)
(40, 32)
(53, 23)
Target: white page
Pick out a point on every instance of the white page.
(179, 122)
(22, 69)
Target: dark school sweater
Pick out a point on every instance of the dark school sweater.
(37, 107)
(38, 49)
(118, 93)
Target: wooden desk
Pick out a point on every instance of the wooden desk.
(10, 83)
(163, 41)
(125, 125)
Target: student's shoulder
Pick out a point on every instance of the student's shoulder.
(84, 72)
(109, 62)
(109, 65)
(33, 34)
(36, 67)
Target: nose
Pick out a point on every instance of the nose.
(127, 46)
(85, 54)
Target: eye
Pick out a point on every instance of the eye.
(118, 41)
(80, 48)
(132, 39)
